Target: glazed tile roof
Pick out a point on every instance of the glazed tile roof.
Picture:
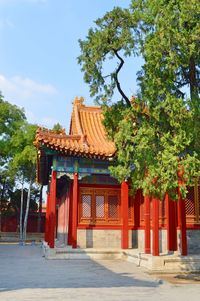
(87, 136)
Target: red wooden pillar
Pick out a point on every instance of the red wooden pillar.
(67, 204)
(147, 230)
(171, 224)
(174, 207)
(46, 236)
(75, 211)
(155, 223)
(52, 210)
(70, 214)
(169, 221)
(124, 206)
(182, 223)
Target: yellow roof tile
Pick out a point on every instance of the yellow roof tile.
(87, 135)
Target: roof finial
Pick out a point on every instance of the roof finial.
(78, 101)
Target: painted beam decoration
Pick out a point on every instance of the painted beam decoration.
(80, 165)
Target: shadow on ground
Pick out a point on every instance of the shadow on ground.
(25, 267)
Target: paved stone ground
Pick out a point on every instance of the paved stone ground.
(25, 276)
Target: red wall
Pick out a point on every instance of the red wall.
(9, 224)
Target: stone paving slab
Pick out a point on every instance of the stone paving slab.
(26, 275)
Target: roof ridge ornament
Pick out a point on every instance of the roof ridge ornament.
(84, 140)
(78, 101)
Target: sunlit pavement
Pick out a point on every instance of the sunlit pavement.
(26, 275)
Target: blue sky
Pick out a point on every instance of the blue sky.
(39, 47)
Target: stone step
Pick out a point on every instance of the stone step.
(165, 263)
(97, 254)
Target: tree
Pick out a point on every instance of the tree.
(24, 164)
(11, 119)
(172, 54)
(17, 162)
(112, 38)
(170, 44)
(156, 133)
(57, 127)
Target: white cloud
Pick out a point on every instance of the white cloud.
(22, 88)
(47, 122)
(39, 100)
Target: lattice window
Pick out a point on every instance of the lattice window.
(189, 202)
(86, 205)
(100, 206)
(113, 210)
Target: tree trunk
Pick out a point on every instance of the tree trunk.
(40, 211)
(194, 100)
(193, 80)
(117, 81)
(27, 211)
(21, 212)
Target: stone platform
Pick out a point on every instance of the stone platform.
(165, 263)
(81, 254)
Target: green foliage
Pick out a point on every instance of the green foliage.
(57, 127)
(11, 118)
(157, 135)
(112, 118)
(152, 147)
(24, 159)
(17, 153)
(171, 52)
(170, 43)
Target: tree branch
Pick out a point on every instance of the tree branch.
(116, 78)
(193, 79)
(106, 76)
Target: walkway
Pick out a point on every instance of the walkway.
(25, 275)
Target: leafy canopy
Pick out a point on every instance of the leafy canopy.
(57, 127)
(24, 160)
(11, 118)
(156, 133)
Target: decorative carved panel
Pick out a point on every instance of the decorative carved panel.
(100, 206)
(113, 206)
(86, 205)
